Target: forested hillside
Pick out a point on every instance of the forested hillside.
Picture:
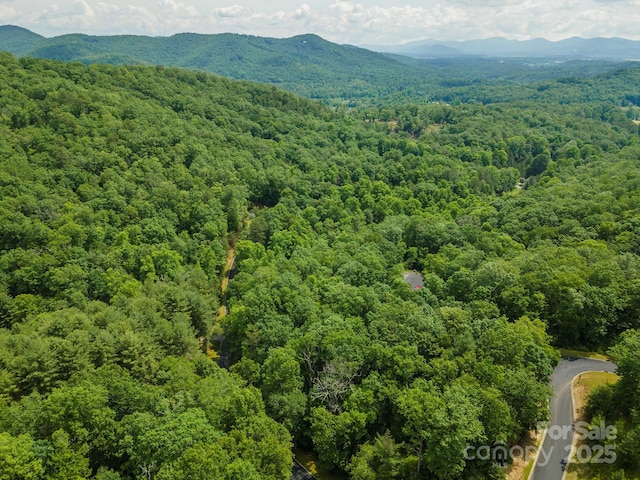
(304, 64)
(121, 187)
(309, 65)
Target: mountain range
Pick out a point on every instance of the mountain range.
(313, 67)
(570, 48)
(305, 64)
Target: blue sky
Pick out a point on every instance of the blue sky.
(355, 22)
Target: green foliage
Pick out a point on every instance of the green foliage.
(305, 64)
(440, 426)
(17, 458)
(338, 74)
(64, 460)
(121, 188)
(380, 460)
(618, 404)
(625, 355)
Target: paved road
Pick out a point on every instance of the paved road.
(557, 446)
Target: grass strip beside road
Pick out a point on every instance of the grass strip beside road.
(584, 384)
(582, 387)
(566, 352)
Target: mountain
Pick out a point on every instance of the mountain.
(18, 40)
(570, 48)
(305, 64)
(336, 74)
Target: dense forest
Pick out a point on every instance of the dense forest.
(123, 187)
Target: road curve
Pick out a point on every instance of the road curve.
(557, 446)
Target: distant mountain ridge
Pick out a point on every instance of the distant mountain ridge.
(305, 64)
(318, 69)
(571, 48)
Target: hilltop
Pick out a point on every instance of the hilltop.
(304, 64)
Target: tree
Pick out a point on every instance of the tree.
(625, 356)
(81, 410)
(333, 383)
(262, 443)
(17, 458)
(527, 397)
(241, 404)
(281, 387)
(439, 426)
(200, 462)
(379, 460)
(64, 461)
(628, 448)
(149, 442)
(336, 438)
(538, 164)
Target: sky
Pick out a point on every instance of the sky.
(365, 22)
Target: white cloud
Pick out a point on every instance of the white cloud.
(180, 9)
(302, 13)
(342, 21)
(234, 11)
(78, 13)
(7, 12)
(486, 3)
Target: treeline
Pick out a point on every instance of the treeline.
(119, 189)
